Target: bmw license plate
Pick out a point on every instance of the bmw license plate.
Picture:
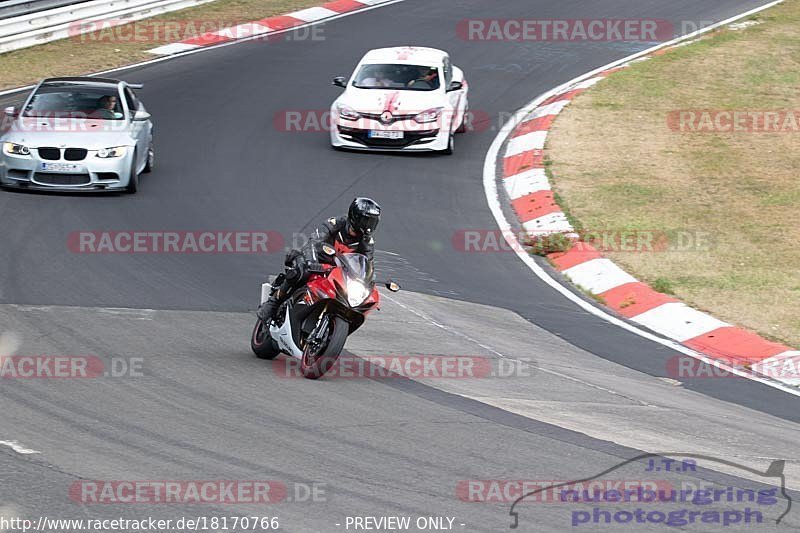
(60, 167)
(382, 134)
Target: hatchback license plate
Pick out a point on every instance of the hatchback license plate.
(381, 134)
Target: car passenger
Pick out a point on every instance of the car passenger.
(379, 78)
(106, 108)
(428, 79)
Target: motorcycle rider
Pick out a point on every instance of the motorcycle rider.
(348, 234)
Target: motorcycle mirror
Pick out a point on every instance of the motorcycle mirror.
(327, 249)
(392, 286)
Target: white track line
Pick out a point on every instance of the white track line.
(9, 342)
(493, 199)
(17, 447)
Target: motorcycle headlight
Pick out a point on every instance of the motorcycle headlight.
(430, 115)
(107, 153)
(347, 112)
(16, 149)
(357, 292)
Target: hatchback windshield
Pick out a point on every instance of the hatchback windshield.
(75, 101)
(398, 77)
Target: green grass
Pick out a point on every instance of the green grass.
(663, 285)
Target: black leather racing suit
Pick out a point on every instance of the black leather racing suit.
(333, 232)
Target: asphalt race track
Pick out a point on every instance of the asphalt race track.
(205, 408)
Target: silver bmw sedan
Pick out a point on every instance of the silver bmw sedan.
(77, 134)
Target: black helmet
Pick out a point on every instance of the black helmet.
(363, 216)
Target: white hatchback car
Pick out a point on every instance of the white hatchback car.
(401, 99)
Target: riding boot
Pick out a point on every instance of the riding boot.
(266, 311)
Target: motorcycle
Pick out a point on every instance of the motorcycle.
(313, 324)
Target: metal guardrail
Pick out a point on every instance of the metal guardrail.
(77, 18)
(16, 8)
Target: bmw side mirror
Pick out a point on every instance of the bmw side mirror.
(141, 115)
(455, 86)
(392, 286)
(340, 81)
(11, 111)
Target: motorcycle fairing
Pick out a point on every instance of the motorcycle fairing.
(285, 336)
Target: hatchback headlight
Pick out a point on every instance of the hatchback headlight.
(16, 149)
(430, 115)
(357, 292)
(107, 153)
(347, 112)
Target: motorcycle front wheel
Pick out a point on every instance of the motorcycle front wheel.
(314, 365)
(261, 342)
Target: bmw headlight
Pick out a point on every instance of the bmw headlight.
(16, 149)
(430, 115)
(357, 292)
(107, 153)
(347, 112)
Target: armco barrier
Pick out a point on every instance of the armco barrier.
(16, 8)
(58, 23)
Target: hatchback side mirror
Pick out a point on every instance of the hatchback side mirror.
(340, 81)
(11, 111)
(455, 86)
(141, 115)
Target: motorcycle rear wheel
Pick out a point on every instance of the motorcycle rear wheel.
(314, 366)
(262, 343)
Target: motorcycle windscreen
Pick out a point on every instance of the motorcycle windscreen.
(356, 266)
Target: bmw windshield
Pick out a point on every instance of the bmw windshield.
(66, 100)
